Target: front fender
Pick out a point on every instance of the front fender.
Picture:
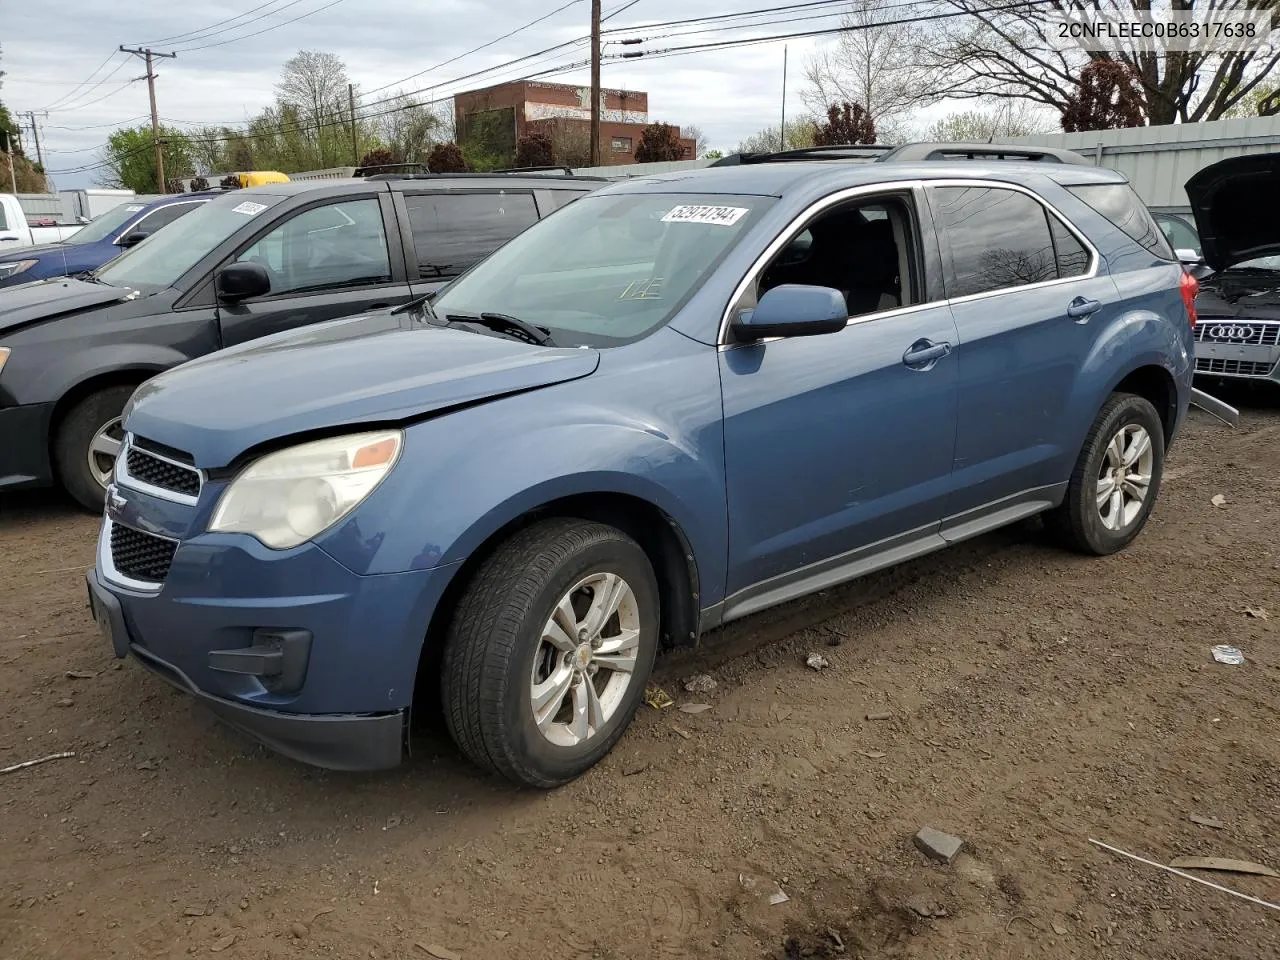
(145, 360)
(636, 428)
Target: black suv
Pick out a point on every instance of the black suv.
(249, 264)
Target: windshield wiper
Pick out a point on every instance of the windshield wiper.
(422, 303)
(511, 326)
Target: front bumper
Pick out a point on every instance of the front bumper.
(337, 698)
(24, 446)
(1253, 356)
(334, 741)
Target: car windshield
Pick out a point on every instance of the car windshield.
(151, 265)
(607, 269)
(1260, 263)
(106, 225)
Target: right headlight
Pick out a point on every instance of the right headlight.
(16, 267)
(292, 495)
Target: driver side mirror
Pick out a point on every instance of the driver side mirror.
(239, 281)
(134, 238)
(793, 310)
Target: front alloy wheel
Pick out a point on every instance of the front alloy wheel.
(549, 651)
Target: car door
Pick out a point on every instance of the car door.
(448, 231)
(1028, 293)
(325, 261)
(838, 448)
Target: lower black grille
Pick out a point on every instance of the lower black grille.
(1232, 368)
(151, 469)
(139, 555)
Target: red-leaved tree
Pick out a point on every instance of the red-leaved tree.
(659, 142)
(1110, 96)
(446, 158)
(377, 158)
(535, 150)
(846, 123)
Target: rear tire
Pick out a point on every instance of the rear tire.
(1116, 480)
(81, 449)
(549, 651)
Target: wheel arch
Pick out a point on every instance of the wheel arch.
(658, 533)
(1155, 384)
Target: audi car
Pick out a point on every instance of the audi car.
(1236, 203)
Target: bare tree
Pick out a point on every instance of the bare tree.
(876, 66)
(313, 85)
(800, 133)
(1008, 118)
(694, 133)
(997, 51)
(410, 129)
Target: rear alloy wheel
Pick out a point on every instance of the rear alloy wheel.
(87, 444)
(549, 651)
(1116, 478)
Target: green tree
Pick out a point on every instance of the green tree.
(800, 133)
(1010, 118)
(130, 158)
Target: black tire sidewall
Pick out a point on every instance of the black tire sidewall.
(1126, 411)
(526, 744)
(76, 432)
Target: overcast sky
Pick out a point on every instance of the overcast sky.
(729, 94)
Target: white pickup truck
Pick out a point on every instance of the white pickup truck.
(16, 233)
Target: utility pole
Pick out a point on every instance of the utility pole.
(782, 130)
(595, 83)
(355, 146)
(147, 54)
(35, 132)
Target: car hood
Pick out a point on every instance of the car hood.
(26, 303)
(376, 368)
(38, 250)
(1236, 204)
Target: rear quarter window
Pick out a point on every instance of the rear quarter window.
(1119, 204)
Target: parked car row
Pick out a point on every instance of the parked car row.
(678, 400)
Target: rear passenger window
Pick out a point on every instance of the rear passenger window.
(1072, 257)
(1119, 204)
(451, 231)
(996, 239)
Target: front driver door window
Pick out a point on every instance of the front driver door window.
(326, 262)
(325, 248)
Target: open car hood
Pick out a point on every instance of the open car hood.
(373, 368)
(1236, 203)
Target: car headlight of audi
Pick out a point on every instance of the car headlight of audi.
(15, 267)
(292, 495)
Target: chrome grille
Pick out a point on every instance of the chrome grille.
(1238, 333)
(146, 466)
(1232, 368)
(141, 556)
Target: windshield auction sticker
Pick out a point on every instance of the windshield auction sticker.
(249, 208)
(694, 213)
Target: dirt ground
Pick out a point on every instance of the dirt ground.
(1035, 699)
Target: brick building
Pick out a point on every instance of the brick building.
(506, 112)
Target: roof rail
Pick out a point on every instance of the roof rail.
(910, 152)
(557, 168)
(490, 174)
(835, 151)
(389, 169)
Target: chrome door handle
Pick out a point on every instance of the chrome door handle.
(1081, 309)
(923, 354)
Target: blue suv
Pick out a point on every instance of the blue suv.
(99, 241)
(679, 400)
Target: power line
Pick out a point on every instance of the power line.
(191, 34)
(95, 126)
(65, 102)
(483, 46)
(828, 31)
(88, 103)
(730, 16)
(258, 33)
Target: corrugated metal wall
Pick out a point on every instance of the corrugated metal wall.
(1157, 160)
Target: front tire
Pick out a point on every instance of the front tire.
(1116, 480)
(87, 442)
(549, 651)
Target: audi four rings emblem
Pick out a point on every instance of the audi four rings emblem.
(1226, 332)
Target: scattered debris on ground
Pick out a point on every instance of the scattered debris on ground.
(816, 661)
(700, 683)
(937, 845)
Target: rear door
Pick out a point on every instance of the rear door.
(1028, 294)
(327, 260)
(448, 231)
